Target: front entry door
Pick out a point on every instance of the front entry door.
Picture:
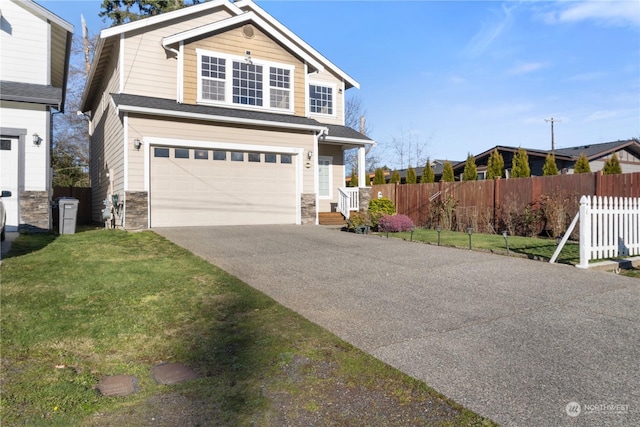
(9, 157)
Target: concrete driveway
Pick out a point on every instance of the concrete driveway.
(519, 341)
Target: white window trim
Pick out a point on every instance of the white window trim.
(334, 93)
(330, 195)
(266, 91)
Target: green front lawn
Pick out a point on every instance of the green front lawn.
(530, 247)
(76, 308)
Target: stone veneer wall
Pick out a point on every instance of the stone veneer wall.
(364, 197)
(34, 211)
(136, 210)
(308, 208)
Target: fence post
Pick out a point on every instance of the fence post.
(585, 232)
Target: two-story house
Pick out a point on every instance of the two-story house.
(215, 114)
(35, 47)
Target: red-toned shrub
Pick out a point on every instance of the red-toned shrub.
(395, 223)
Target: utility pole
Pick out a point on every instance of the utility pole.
(552, 120)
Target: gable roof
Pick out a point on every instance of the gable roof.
(255, 13)
(594, 151)
(236, 20)
(171, 108)
(249, 4)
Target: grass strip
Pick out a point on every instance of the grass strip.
(76, 308)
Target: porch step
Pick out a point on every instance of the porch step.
(331, 218)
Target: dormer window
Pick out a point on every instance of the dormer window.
(234, 80)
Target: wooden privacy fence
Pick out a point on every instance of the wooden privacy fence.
(609, 227)
(83, 194)
(485, 205)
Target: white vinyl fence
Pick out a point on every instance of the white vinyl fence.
(609, 228)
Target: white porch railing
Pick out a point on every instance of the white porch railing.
(609, 228)
(348, 200)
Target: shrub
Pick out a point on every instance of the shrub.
(447, 172)
(470, 170)
(428, 175)
(395, 223)
(411, 176)
(495, 166)
(582, 164)
(395, 177)
(612, 166)
(379, 177)
(550, 168)
(520, 164)
(378, 208)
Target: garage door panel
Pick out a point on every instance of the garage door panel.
(221, 192)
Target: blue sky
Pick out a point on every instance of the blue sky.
(463, 76)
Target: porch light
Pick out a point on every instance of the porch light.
(137, 144)
(36, 139)
(309, 154)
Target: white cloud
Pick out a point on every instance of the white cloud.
(608, 12)
(600, 115)
(526, 67)
(488, 33)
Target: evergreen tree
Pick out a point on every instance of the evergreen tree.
(470, 170)
(354, 179)
(123, 11)
(395, 177)
(447, 172)
(612, 166)
(582, 164)
(378, 178)
(550, 168)
(520, 165)
(411, 176)
(427, 172)
(495, 165)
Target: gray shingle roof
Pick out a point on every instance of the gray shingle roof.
(169, 105)
(597, 150)
(28, 92)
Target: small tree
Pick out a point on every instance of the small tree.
(612, 166)
(354, 179)
(427, 173)
(495, 165)
(582, 164)
(378, 178)
(411, 176)
(470, 170)
(447, 172)
(378, 208)
(550, 167)
(395, 177)
(520, 164)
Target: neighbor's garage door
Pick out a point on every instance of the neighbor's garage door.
(217, 187)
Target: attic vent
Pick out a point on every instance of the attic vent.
(248, 31)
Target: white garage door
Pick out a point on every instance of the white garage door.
(190, 187)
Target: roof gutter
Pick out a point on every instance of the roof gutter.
(222, 119)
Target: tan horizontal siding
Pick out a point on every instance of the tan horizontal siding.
(197, 131)
(233, 42)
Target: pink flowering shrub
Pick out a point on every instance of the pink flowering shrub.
(395, 223)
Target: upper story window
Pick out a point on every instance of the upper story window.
(234, 80)
(321, 99)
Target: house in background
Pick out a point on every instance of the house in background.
(215, 114)
(628, 153)
(34, 63)
(437, 166)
